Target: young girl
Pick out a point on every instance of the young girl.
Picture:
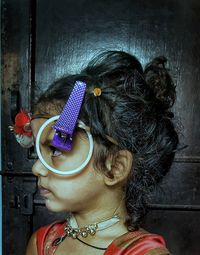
(105, 139)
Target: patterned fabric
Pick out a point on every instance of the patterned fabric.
(132, 243)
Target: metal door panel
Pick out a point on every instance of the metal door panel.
(43, 40)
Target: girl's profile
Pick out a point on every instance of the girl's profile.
(105, 138)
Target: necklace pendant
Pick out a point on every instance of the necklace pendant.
(89, 229)
(84, 232)
(71, 232)
(74, 235)
(92, 232)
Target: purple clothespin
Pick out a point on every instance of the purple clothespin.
(66, 123)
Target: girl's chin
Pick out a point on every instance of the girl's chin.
(54, 207)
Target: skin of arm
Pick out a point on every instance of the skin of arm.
(32, 246)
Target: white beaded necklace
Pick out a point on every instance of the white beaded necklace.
(72, 229)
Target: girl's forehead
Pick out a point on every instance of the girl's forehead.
(36, 124)
(42, 113)
(48, 132)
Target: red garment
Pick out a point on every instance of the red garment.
(132, 243)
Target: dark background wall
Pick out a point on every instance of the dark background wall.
(43, 40)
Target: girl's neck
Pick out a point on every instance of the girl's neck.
(101, 214)
(107, 234)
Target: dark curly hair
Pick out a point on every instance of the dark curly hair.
(133, 109)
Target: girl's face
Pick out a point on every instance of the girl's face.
(67, 193)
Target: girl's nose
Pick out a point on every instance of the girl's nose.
(39, 169)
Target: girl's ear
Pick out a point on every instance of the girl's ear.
(120, 165)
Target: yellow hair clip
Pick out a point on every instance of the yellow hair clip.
(97, 92)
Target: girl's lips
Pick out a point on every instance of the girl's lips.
(43, 191)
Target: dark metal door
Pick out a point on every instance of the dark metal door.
(43, 40)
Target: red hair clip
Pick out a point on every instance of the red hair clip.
(22, 129)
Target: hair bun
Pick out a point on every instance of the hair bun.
(160, 82)
(159, 61)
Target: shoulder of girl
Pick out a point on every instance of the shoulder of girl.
(38, 237)
(138, 242)
(44, 230)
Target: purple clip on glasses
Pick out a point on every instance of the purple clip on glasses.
(66, 123)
